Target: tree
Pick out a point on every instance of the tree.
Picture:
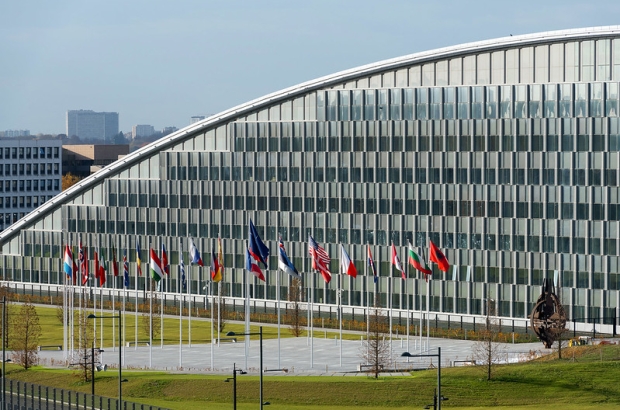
(119, 138)
(375, 349)
(488, 351)
(220, 307)
(295, 318)
(151, 332)
(69, 180)
(87, 340)
(26, 331)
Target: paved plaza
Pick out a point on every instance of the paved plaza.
(299, 356)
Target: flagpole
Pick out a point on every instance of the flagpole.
(312, 320)
(150, 310)
(219, 309)
(211, 287)
(367, 300)
(278, 307)
(407, 296)
(65, 317)
(80, 253)
(180, 288)
(340, 310)
(189, 292)
(135, 345)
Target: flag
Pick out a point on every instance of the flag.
(371, 263)
(438, 257)
(216, 275)
(155, 266)
(253, 267)
(138, 260)
(75, 267)
(102, 269)
(396, 261)
(220, 260)
(96, 273)
(320, 259)
(125, 269)
(164, 260)
(114, 262)
(258, 250)
(194, 254)
(68, 265)
(284, 263)
(346, 266)
(182, 267)
(416, 262)
(84, 264)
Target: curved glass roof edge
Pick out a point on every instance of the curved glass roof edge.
(301, 89)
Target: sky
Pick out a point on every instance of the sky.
(160, 62)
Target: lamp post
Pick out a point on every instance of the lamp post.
(120, 356)
(92, 368)
(438, 355)
(260, 338)
(234, 379)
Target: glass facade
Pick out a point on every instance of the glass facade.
(506, 157)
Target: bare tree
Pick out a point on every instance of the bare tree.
(375, 349)
(295, 318)
(26, 331)
(488, 351)
(220, 307)
(87, 340)
(147, 330)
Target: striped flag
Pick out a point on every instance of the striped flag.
(371, 263)
(155, 266)
(320, 259)
(396, 261)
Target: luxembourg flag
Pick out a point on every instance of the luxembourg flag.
(68, 265)
(346, 266)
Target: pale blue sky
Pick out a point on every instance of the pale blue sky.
(161, 62)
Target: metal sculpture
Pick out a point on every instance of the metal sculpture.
(548, 318)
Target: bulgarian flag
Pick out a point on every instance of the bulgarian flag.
(416, 262)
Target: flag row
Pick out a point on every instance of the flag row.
(256, 259)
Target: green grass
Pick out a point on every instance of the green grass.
(581, 383)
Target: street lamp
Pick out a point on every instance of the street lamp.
(260, 338)
(92, 368)
(438, 355)
(234, 379)
(120, 356)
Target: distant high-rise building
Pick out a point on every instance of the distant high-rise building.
(15, 133)
(88, 124)
(142, 131)
(168, 130)
(196, 118)
(30, 174)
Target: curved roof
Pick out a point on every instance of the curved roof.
(302, 89)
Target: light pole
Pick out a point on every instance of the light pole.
(260, 338)
(120, 355)
(438, 356)
(92, 368)
(234, 379)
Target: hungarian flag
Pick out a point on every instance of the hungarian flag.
(396, 261)
(155, 266)
(417, 263)
(438, 257)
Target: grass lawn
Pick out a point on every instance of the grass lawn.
(587, 380)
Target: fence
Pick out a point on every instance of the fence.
(21, 395)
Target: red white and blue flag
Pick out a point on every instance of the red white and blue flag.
(83, 265)
(194, 254)
(346, 265)
(164, 260)
(320, 259)
(257, 248)
(125, 270)
(68, 264)
(251, 266)
(371, 263)
(284, 263)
